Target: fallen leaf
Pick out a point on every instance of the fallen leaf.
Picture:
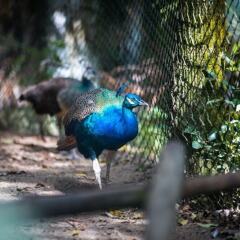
(207, 225)
(186, 207)
(7, 141)
(75, 233)
(182, 221)
(81, 174)
(39, 185)
(82, 228)
(138, 215)
(44, 166)
(193, 216)
(115, 214)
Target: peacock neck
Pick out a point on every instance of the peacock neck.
(128, 115)
(125, 110)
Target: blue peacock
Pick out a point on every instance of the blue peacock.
(99, 120)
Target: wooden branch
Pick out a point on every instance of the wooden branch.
(54, 206)
(211, 184)
(123, 197)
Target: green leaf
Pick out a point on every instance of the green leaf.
(196, 145)
(212, 136)
(225, 84)
(230, 102)
(224, 128)
(236, 48)
(227, 59)
(209, 74)
(191, 130)
(214, 101)
(182, 221)
(238, 108)
(207, 225)
(234, 121)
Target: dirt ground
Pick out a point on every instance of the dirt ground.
(29, 166)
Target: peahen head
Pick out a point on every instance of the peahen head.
(132, 100)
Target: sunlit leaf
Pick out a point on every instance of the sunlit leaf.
(182, 221)
(81, 174)
(238, 108)
(230, 102)
(212, 136)
(190, 130)
(196, 145)
(224, 128)
(209, 74)
(7, 141)
(75, 233)
(207, 225)
(193, 216)
(211, 102)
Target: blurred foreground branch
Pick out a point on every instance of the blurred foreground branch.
(122, 197)
(211, 184)
(166, 190)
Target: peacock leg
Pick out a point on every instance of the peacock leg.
(109, 161)
(97, 171)
(59, 124)
(41, 127)
(73, 155)
(110, 158)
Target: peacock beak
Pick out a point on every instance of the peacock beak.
(143, 103)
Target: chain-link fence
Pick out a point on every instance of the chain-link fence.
(183, 58)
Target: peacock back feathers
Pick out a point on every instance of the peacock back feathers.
(67, 96)
(94, 101)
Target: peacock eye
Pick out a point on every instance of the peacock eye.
(131, 101)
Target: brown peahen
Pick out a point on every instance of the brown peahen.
(56, 96)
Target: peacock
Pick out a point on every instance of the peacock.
(99, 120)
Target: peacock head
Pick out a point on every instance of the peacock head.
(132, 100)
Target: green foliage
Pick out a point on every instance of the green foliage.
(25, 121)
(216, 145)
(28, 64)
(28, 69)
(153, 133)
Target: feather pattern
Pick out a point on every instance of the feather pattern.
(101, 119)
(56, 95)
(89, 102)
(67, 96)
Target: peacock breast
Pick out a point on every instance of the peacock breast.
(113, 127)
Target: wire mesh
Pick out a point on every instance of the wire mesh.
(183, 58)
(139, 46)
(179, 57)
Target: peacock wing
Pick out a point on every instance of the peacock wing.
(84, 105)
